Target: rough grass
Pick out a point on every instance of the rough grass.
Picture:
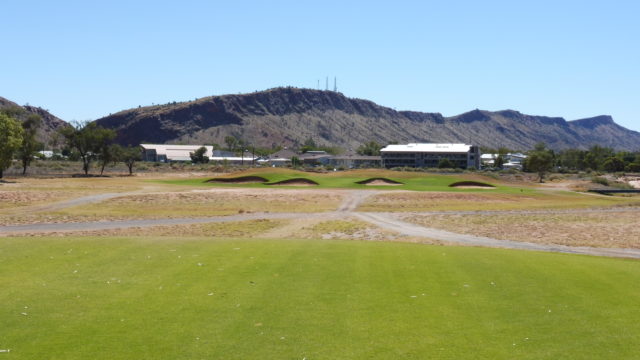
(597, 229)
(24, 193)
(436, 201)
(191, 298)
(248, 228)
(344, 229)
(220, 202)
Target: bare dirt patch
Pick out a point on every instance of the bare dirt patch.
(594, 229)
(634, 181)
(380, 182)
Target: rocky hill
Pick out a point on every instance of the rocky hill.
(289, 116)
(50, 123)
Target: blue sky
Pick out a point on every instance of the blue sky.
(83, 60)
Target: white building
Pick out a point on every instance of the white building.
(510, 161)
(429, 155)
(169, 153)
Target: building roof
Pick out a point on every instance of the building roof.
(358, 157)
(313, 156)
(182, 152)
(428, 148)
(283, 154)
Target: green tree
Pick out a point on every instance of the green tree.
(371, 148)
(10, 140)
(613, 164)
(87, 139)
(540, 160)
(596, 155)
(128, 155)
(109, 153)
(231, 142)
(309, 145)
(633, 167)
(30, 145)
(199, 156)
(446, 164)
(573, 159)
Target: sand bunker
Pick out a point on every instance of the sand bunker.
(471, 185)
(379, 182)
(295, 182)
(240, 180)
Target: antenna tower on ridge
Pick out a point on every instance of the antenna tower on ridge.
(326, 84)
(335, 84)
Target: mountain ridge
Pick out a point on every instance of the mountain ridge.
(289, 116)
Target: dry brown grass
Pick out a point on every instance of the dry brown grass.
(596, 229)
(344, 229)
(240, 229)
(209, 203)
(446, 201)
(11, 199)
(28, 192)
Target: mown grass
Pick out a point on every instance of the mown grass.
(349, 180)
(192, 298)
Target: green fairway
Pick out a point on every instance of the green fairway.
(415, 181)
(198, 298)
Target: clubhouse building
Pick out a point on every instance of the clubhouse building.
(430, 155)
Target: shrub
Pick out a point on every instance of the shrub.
(600, 180)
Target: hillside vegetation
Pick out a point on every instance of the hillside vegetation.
(50, 123)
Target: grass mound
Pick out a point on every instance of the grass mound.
(379, 181)
(471, 184)
(239, 180)
(295, 182)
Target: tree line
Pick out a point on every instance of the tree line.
(85, 141)
(543, 160)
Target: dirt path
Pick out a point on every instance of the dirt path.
(353, 199)
(81, 201)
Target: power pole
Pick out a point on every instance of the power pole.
(335, 84)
